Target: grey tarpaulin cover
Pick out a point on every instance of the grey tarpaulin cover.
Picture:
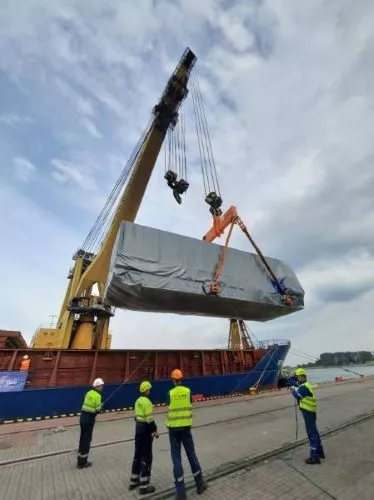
(158, 271)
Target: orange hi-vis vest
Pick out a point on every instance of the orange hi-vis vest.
(25, 365)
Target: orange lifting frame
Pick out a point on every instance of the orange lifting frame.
(220, 223)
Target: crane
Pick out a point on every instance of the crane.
(83, 320)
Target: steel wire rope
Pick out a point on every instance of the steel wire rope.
(112, 208)
(113, 196)
(199, 140)
(313, 358)
(179, 149)
(212, 165)
(140, 364)
(208, 169)
(183, 124)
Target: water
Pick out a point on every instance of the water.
(318, 375)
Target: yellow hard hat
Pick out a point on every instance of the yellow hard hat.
(176, 374)
(299, 372)
(145, 386)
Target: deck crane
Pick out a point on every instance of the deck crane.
(84, 317)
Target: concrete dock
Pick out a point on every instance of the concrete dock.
(246, 446)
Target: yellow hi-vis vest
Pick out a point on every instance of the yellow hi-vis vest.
(143, 410)
(180, 408)
(92, 402)
(308, 403)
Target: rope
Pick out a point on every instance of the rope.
(291, 466)
(266, 367)
(183, 122)
(139, 365)
(320, 488)
(199, 140)
(204, 128)
(314, 359)
(98, 230)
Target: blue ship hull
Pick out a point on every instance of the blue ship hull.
(62, 401)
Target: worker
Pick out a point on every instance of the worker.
(92, 405)
(25, 363)
(306, 398)
(179, 422)
(145, 431)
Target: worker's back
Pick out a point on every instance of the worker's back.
(180, 408)
(25, 365)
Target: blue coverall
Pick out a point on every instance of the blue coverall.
(310, 419)
(179, 436)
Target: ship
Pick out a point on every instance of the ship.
(58, 379)
(65, 358)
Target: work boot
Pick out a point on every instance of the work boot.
(133, 486)
(321, 453)
(83, 464)
(145, 490)
(312, 461)
(181, 496)
(201, 488)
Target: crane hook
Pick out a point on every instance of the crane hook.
(178, 187)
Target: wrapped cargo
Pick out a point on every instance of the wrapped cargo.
(158, 271)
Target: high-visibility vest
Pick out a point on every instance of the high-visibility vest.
(308, 403)
(25, 365)
(144, 410)
(92, 402)
(180, 408)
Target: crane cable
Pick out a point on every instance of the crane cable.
(208, 166)
(314, 359)
(96, 234)
(175, 149)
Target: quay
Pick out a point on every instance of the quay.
(246, 445)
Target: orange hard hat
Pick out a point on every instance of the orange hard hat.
(176, 374)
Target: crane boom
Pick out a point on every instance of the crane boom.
(84, 318)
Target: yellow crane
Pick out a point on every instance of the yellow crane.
(83, 321)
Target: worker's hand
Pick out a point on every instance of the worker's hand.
(157, 435)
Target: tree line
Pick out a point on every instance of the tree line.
(342, 358)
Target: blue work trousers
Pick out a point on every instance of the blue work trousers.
(178, 437)
(142, 461)
(310, 419)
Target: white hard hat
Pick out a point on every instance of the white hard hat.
(97, 382)
(25, 356)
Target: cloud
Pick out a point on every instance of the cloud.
(288, 96)
(12, 119)
(24, 169)
(66, 172)
(91, 128)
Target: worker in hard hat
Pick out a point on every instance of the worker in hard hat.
(179, 422)
(92, 405)
(145, 430)
(25, 363)
(306, 398)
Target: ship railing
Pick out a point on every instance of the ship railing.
(266, 344)
(263, 344)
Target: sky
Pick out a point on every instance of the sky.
(288, 93)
